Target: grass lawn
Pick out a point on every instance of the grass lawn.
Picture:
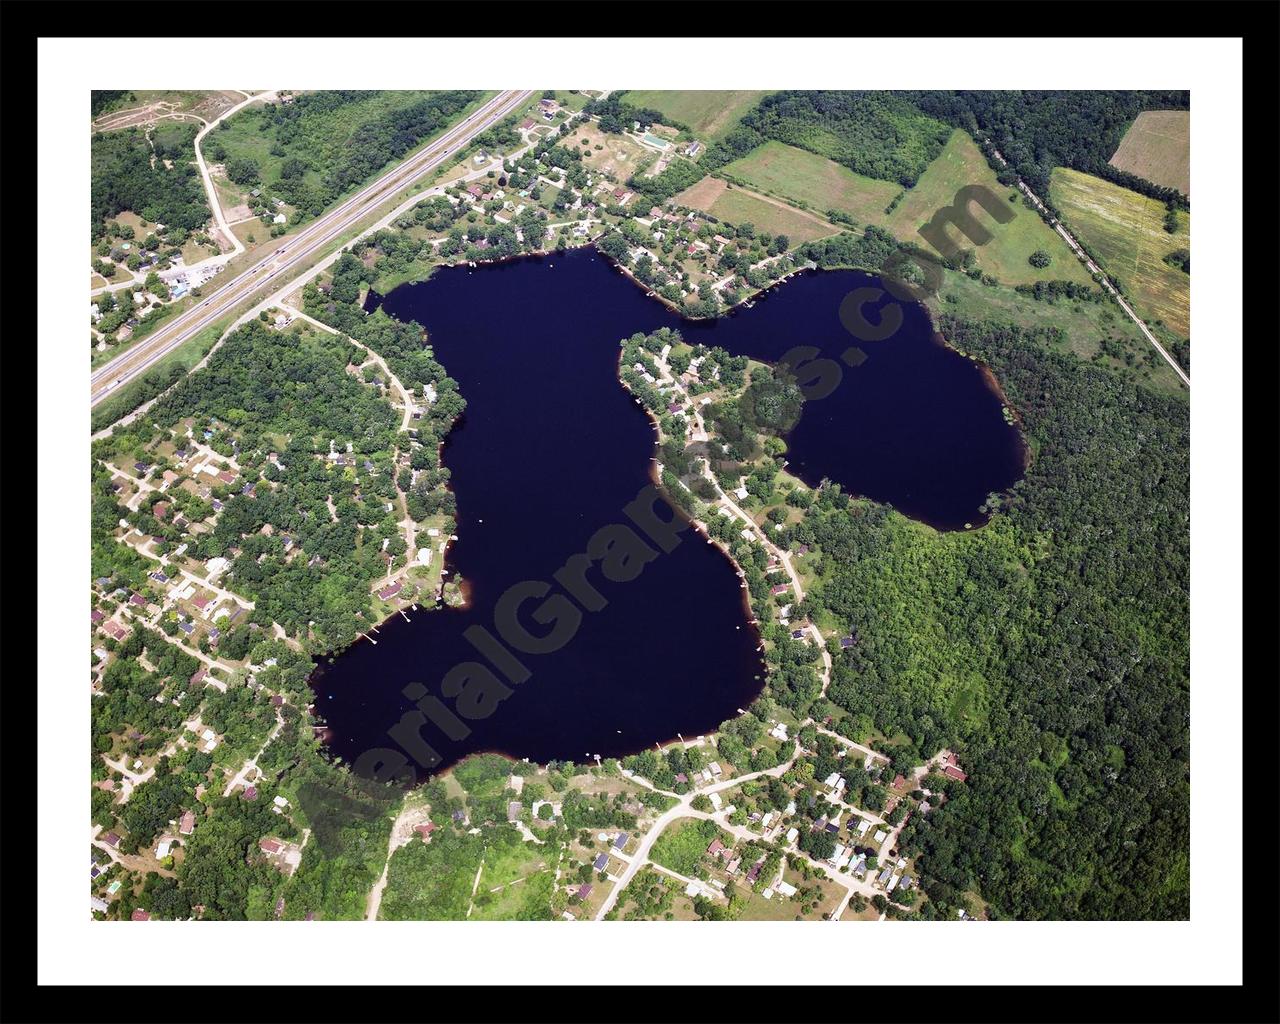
(786, 908)
(432, 881)
(321, 142)
(526, 900)
(684, 842)
(740, 206)
(126, 219)
(1126, 232)
(621, 156)
(1005, 257)
(417, 270)
(814, 181)
(710, 113)
(523, 873)
(193, 253)
(1089, 327)
(240, 136)
(1157, 147)
(252, 232)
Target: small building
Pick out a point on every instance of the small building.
(583, 892)
(270, 846)
(952, 772)
(139, 915)
(620, 841)
(601, 862)
(513, 810)
(188, 823)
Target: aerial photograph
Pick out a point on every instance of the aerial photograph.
(637, 505)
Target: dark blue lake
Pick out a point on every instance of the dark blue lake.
(552, 449)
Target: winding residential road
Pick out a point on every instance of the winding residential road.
(214, 204)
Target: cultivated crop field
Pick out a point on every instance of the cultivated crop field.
(1005, 257)
(814, 181)
(1126, 232)
(740, 206)
(709, 112)
(1157, 147)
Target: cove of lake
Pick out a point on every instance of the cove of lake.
(552, 448)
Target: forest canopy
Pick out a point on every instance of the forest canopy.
(130, 173)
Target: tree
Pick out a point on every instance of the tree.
(1040, 259)
(819, 845)
(242, 171)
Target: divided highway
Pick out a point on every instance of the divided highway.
(298, 252)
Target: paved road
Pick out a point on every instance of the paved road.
(214, 204)
(311, 244)
(682, 809)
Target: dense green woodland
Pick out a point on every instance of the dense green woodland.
(1050, 648)
(1037, 131)
(879, 134)
(292, 394)
(325, 143)
(894, 135)
(125, 177)
(102, 100)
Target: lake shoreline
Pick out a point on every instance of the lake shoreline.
(477, 302)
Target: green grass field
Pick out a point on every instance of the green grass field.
(1126, 232)
(683, 843)
(1092, 331)
(1005, 257)
(737, 206)
(321, 142)
(522, 872)
(823, 184)
(710, 113)
(815, 181)
(241, 136)
(432, 881)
